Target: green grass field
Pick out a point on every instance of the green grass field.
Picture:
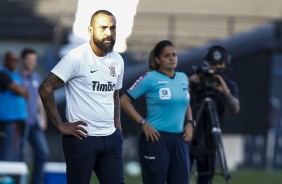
(245, 176)
(251, 177)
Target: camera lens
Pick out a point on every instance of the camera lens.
(212, 82)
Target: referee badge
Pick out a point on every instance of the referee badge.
(164, 93)
(112, 71)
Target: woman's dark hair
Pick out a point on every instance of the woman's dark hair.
(156, 51)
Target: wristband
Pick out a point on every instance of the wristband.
(143, 121)
(193, 122)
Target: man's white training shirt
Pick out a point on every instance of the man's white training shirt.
(90, 82)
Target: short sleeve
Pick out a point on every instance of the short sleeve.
(140, 87)
(233, 88)
(120, 77)
(66, 68)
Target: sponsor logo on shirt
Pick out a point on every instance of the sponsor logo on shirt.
(92, 71)
(162, 82)
(97, 86)
(149, 157)
(137, 81)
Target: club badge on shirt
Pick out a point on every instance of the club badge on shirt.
(112, 71)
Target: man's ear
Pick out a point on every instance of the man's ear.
(90, 30)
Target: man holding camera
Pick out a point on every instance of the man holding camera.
(210, 82)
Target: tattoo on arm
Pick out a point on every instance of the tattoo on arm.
(46, 91)
(117, 110)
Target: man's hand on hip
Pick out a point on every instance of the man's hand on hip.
(74, 129)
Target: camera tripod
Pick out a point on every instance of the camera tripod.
(209, 106)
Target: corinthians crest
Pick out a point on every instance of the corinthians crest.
(113, 71)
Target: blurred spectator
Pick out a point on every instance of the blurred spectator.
(13, 110)
(36, 122)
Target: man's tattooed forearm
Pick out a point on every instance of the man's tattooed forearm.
(50, 106)
(46, 91)
(233, 103)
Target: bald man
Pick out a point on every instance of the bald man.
(92, 74)
(13, 110)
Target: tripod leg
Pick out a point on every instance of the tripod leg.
(202, 165)
(200, 111)
(216, 131)
(222, 159)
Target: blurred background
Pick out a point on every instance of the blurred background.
(251, 30)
